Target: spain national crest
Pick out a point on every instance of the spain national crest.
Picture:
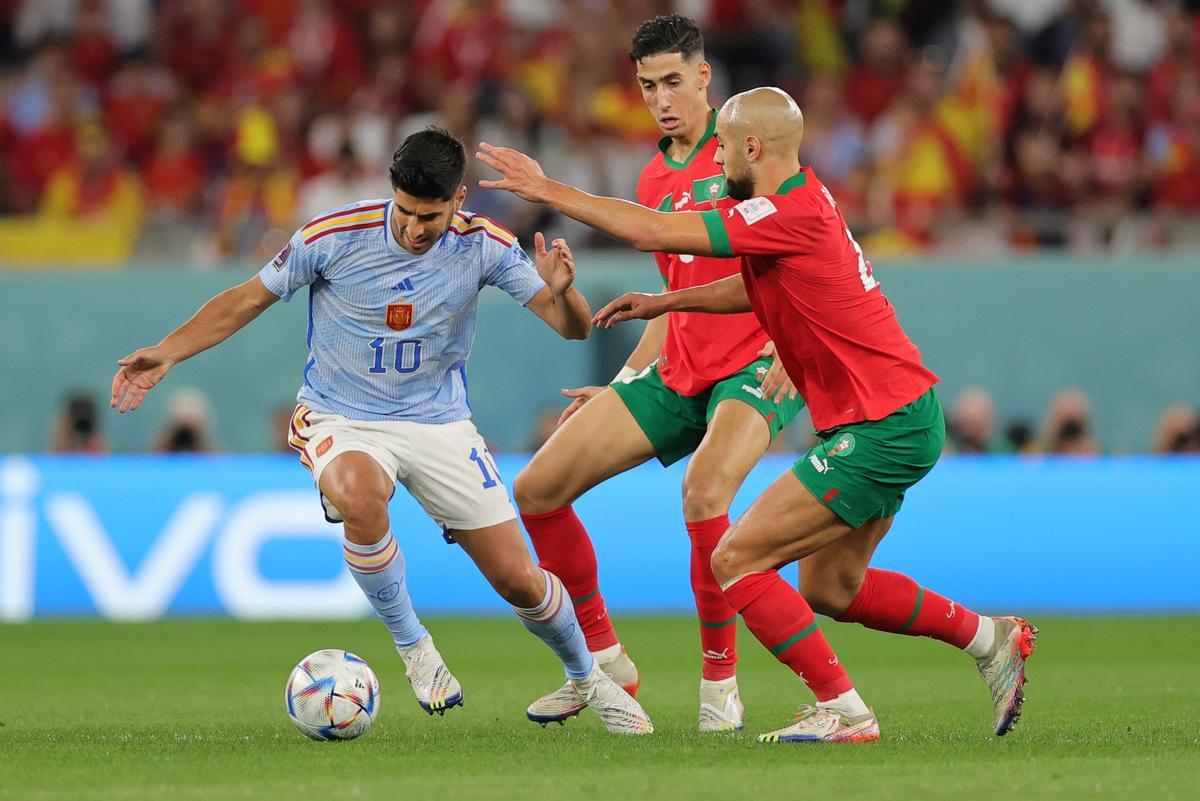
(399, 316)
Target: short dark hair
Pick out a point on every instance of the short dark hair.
(429, 164)
(668, 33)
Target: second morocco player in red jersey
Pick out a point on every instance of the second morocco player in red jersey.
(700, 349)
(879, 423)
(690, 387)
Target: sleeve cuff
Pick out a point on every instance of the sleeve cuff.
(717, 235)
(270, 279)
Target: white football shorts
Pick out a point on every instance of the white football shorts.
(446, 467)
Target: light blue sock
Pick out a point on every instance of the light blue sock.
(554, 621)
(379, 571)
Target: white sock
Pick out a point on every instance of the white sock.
(849, 703)
(718, 684)
(378, 569)
(553, 620)
(607, 654)
(984, 639)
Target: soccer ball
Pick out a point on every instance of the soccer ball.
(332, 695)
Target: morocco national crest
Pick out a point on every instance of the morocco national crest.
(399, 316)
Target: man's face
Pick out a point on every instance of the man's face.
(418, 223)
(739, 175)
(675, 90)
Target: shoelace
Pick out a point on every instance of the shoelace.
(808, 712)
(412, 665)
(593, 690)
(413, 668)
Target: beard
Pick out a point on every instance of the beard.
(740, 187)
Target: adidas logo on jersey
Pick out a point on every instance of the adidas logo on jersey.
(404, 286)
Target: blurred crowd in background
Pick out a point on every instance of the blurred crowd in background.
(206, 131)
(1066, 429)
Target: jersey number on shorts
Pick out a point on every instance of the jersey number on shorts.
(484, 461)
(408, 356)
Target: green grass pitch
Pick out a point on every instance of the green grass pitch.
(194, 710)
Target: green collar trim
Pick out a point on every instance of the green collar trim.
(664, 144)
(799, 179)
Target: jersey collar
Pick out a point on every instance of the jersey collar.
(799, 179)
(664, 144)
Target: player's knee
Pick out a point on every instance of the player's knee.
(364, 512)
(535, 494)
(705, 498)
(521, 584)
(727, 561)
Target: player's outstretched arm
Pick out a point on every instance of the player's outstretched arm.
(727, 296)
(559, 303)
(215, 322)
(645, 229)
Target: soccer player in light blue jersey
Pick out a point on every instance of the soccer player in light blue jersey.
(393, 288)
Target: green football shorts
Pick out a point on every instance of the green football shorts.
(675, 424)
(861, 470)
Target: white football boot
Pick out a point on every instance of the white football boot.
(565, 702)
(821, 725)
(617, 709)
(720, 707)
(1003, 670)
(435, 687)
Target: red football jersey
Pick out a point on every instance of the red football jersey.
(700, 349)
(815, 294)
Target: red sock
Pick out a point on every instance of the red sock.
(564, 549)
(893, 602)
(784, 623)
(718, 620)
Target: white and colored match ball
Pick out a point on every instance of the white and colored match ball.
(332, 695)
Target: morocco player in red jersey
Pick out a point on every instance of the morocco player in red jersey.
(691, 386)
(879, 424)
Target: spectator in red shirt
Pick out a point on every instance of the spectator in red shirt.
(325, 51)
(174, 176)
(1115, 152)
(93, 52)
(1173, 149)
(881, 73)
(1181, 60)
(138, 96)
(36, 156)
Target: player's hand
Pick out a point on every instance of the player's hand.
(580, 396)
(139, 373)
(521, 175)
(776, 384)
(556, 266)
(631, 306)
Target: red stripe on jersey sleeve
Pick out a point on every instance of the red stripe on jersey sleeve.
(343, 213)
(340, 229)
(485, 232)
(493, 222)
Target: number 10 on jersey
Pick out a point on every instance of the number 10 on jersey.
(408, 356)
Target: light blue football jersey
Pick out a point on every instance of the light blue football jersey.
(389, 332)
